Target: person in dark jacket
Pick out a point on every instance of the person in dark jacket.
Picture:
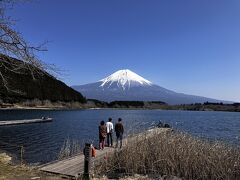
(119, 132)
(102, 135)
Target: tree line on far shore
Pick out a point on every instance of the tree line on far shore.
(206, 106)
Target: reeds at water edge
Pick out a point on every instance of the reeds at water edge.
(175, 153)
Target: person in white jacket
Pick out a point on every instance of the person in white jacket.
(109, 125)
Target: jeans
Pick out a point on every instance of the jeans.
(119, 138)
(109, 139)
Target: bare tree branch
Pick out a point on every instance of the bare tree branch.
(12, 44)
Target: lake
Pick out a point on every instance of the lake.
(42, 142)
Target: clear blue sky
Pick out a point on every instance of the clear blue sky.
(189, 46)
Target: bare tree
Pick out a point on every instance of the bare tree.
(12, 44)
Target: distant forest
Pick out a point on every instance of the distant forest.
(207, 106)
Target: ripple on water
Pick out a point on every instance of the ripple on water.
(42, 142)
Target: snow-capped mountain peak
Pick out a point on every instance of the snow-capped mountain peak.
(124, 79)
(125, 85)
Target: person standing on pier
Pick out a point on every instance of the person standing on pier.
(109, 125)
(102, 134)
(119, 132)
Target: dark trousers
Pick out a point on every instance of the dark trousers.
(119, 138)
(109, 139)
(101, 143)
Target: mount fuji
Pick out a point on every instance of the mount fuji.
(125, 85)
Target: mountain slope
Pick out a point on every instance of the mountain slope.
(125, 85)
(23, 86)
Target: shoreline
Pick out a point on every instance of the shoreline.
(105, 108)
(121, 106)
(6, 157)
(18, 107)
(117, 105)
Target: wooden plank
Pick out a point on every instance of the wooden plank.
(62, 164)
(24, 121)
(74, 166)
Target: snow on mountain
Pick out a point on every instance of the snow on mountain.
(124, 79)
(125, 85)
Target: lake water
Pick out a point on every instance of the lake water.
(42, 142)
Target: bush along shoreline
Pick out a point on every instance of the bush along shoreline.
(96, 104)
(174, 154)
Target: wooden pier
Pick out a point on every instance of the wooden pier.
(25, 121)
(74, 166)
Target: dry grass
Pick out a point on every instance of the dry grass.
(175, 154)
(36, 103)
(8, 171)
(69, 149)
